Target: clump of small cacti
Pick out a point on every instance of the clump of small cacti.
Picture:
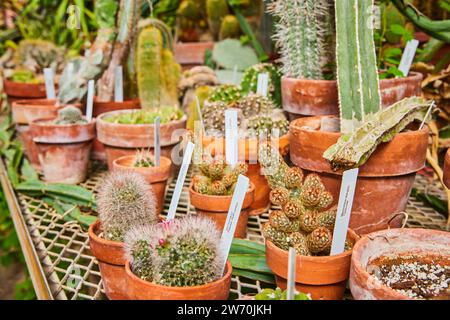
(143, 159)
(249, 82)
(125, 200)
(35, 55)
(305, 220)
(70, 115)
(278, 294)
(227, 93)
(177, 253)
(217, 178)
(166, 114)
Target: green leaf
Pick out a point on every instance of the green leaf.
(398, 29)
(28, 172)
(437, 204)
(266, 278)
(251, 262)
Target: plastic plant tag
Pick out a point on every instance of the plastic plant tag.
(263, 84)
(344, 210)
(233, 216)
(157, 141)
(118, 84)
(180, 181)
(408, 56)
(433, 104)
(231, 136)
(49, 83)
(199, 112)
(291, 274)
(90, 100)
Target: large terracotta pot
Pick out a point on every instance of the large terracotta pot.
(124, 139)
(302, 97)
(139, 289)
(64, 150)
(20, 90)
(156, 176)
(110, 256)
(447, 169)
(31, 149)
(384, 182)
(323, 277)
(216, 208)
(420, 243)
(100, 107)
(248, 151)
(191, 54)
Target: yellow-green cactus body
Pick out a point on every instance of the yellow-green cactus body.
(230, 27)
(170, 75)
(202, 93)
(216, 11)
(189, 9)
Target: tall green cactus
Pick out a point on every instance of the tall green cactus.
(216, 11)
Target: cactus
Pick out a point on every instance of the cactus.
(278, 294)
(229, 28)
(202, 93)
(143, 159)
(225, 53)
(249, 82)
(305, 32)
(226, 93)
(69, 115)
(178, 253)
(125, 200)
(216, 10)
(35, 55)
(166, 114)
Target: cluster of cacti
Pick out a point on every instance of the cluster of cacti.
(178, 253)
(305, 34)
(249, 82)
(217, 178)
(143, 159)
(125, 200)
(305, 220)
(227, 93)
(267, 124)
(166, 114)
(69, 115)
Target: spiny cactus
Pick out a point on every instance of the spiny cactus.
(216, 10)
(254, 104)
(229, 28)
(178, 253)
(226, 93)
(125, 200)
(143, 159)
(305, 35)
(217, 178)
(214, 117)
(166, 115)
(70, 115)
(249, 82)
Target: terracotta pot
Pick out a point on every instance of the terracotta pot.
(395, 242)
(156, 176)
(31, 150)
(384, 182)
(64, 150)
(19, 90)
(216, 208)
(216, 146)
(447, 169)
(123, 139)
(111, 260)
(302, 97)
(100, 107)
(323, 277)
(191, 54)
(139, 289)
(26, 111)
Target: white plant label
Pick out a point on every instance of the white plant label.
(231, 136)
(233, 216)
(346, 195)
(291, 274)
(157, 141)
(118, 84)
(90, 100)
(180, 181)
(199, 111)
(408, 56)
(49, 83)
(263, 84)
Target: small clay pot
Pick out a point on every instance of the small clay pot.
(447, 169)
(156, 176)
(139, 289)
(64, 150)
(216, 208)
(20, 90)
(111, 260)
(31, 150)
(394, 242)
(191, 54)
(248, 151)
(323, 277)
(384, 181)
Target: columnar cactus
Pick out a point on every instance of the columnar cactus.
(178, 253)
(125, 200)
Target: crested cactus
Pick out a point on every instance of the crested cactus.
(70, 115)
(178, 253)
(304, 32)
(125, 200)
(249, 82)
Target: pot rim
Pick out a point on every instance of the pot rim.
(411, 75)
(165, 166)
(100, 119)
(44, 123)
(134, 278)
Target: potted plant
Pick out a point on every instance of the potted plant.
(143, 163)
(401, 264)
(306, 35)
(125, 200)
(176, 260)
(385, 181)
(305, 222)
(211, 192)
(64, 145)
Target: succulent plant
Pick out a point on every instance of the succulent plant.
(143, 159)
(229, 28)
(177, 253)
(69, 115)
(227, 93)
(125, 200)
(249, 82)
(216, 11)
(35, 55)
(278, 294)
(166, 114)
(225, 53)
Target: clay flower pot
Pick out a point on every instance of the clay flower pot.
(394, 242)
(110, 256)
(64, 150)
(447, 169)
(191, 54)
(156, 176)
(323, 277)
(216, 208)
(20, 90)
(139, 289)
(303, 97)
(100, 107)
(384, 182)
(216, 146)
(124, 139)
